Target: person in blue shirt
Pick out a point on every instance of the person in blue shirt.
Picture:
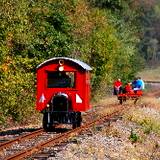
(134, 83)
(138, 84)
(141, 82)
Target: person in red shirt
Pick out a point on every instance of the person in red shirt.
(128, 88)
(117, 86)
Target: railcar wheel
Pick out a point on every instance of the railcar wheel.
(135, 100)
(47, 126)
(78, 120)
(120, 101)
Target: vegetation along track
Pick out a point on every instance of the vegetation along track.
(48, 139)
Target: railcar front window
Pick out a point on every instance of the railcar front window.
(61, 79)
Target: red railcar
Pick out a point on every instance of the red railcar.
(134, 95)
(63, 91)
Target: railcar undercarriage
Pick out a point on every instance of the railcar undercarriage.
(59, 112)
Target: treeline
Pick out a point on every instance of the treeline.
(149, 45)
(103, 33)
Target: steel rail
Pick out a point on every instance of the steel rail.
(151, 81)
(58, 139)
(21, 138)
(26, 136)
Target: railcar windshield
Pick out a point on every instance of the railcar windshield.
(59, 79)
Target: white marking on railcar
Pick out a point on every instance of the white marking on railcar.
(78, 99)
(42, 98)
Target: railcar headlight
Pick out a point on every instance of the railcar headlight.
(61, 68)
(47, 105)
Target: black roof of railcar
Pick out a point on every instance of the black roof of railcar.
(78, 62)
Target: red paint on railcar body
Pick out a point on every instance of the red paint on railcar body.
(78, 93)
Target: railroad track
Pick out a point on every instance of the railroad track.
(23, 137)
(20, 138)
(152, 82)
(54, 139)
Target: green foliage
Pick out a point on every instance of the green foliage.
(31, 31)
(17, 89)
(127, 53)
(116, 4)
(133, 136)
(101, 33)
(149, 22)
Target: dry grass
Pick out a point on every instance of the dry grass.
(153, 102)
(150, 74)
(107, 105)
(108, 101)
(137, 150)
(146, 113)
(147, 117)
